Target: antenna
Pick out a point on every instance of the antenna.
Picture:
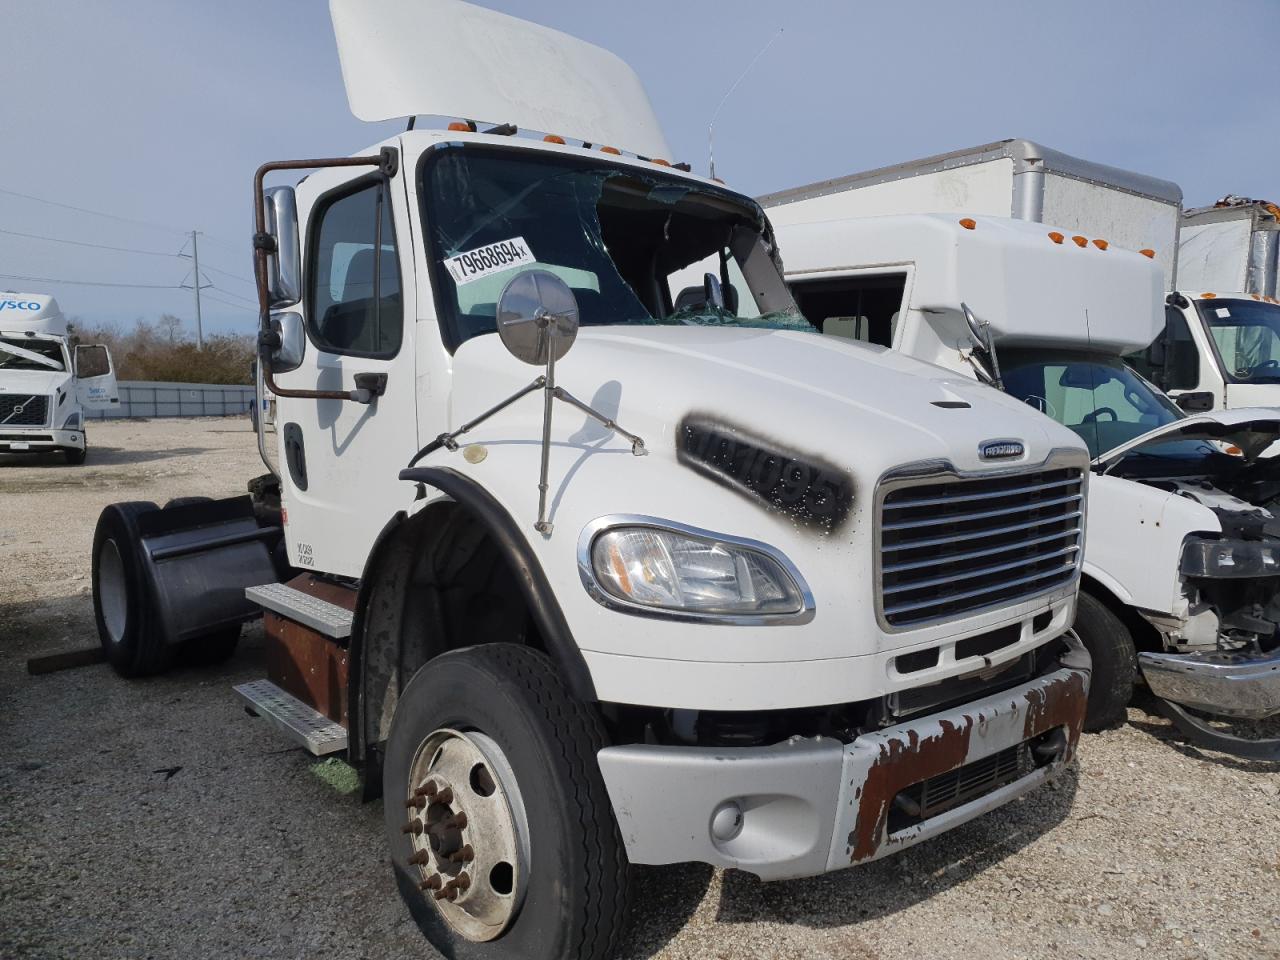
(711, 127)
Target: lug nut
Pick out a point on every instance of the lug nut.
(413, 826)
(450, 892)
(432, 882)
(463, 882)
(464, 855)
(445, 796)
(422, 857)
(458, 820)
(418, 802)
(428, 789)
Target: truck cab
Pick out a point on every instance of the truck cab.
(584, 566)
(1050, 318)
(48, 380)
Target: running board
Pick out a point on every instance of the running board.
(320, 615)
(309, 728)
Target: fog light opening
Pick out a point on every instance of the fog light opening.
(726, 821)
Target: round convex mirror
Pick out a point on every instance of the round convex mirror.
(532, 304)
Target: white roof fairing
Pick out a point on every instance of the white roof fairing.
(403, 58)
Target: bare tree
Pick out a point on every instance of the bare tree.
(172, 326)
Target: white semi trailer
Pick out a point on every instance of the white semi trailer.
(47, 379)
(773, 628)
(1182, 565)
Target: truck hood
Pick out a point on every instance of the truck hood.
(1252, 429)
(867, 410)
(32, 381)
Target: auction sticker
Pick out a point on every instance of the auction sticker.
(482, 261)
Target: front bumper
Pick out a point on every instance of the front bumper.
(809, 806)
(1218, 682)
(38, 441)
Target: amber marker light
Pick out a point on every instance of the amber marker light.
(969, 223)
(1055, 236)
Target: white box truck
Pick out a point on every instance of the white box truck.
(769, 629)
(48, 379)
(1182, 565)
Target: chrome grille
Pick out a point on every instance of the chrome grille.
(23, 410)
(955, 545)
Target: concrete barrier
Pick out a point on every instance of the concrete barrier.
(148, 398)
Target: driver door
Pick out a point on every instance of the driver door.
(96, 387)
(340, 459)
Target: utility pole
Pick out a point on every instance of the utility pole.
(195, 286)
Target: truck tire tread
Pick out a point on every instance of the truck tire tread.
(1115, 662)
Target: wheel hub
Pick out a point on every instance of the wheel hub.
(468, 831)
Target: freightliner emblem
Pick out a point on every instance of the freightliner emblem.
(1001, 449)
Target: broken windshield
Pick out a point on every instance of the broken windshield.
(49, 351)
(635, 247)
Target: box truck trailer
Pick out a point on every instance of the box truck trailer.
(48, 379)
(582, 570)
(1182, 565)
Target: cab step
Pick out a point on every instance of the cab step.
(320, 615)
(308, 727)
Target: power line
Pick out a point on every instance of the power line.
(92, 283)
(85, 243)
(227, 303)
(96, 213)
(227, 293)
(227, 273)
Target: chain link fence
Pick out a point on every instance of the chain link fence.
(146, 398)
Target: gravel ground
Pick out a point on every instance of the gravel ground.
(156, 819)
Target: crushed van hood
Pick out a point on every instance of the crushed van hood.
(32, 381)
(1252, 429)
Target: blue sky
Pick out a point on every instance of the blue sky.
(158, 111)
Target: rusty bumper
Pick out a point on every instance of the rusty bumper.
(810, 806)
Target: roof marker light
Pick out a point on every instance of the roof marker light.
(1208, 296)
(660, 162)
(614, 150)
(1080, 241)
(463, 126)
(1255, 296)
(1101, 244)
(969, 223)
(1148, 253)
(553, 138)
(1055, 236)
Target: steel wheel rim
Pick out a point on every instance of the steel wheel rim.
(113, 594)
(468, 832)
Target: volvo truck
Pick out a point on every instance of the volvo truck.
(582, 569)
(48, 379)
(1181, 579)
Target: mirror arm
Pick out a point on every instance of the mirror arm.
(450, 440)
(637, 445)
(387, 162)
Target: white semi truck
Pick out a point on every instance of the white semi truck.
(1182, 567)
(705, 587)
(47, 379)
(1220, 346)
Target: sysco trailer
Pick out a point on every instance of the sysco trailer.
(48, 379)
(583, 569)
(1181, 580)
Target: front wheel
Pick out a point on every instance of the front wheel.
(1115, 662)
(502, 837)
(74, 456)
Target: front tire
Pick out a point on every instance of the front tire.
(546, 871)
(74, 456)
(1115, 663)
(122, 603)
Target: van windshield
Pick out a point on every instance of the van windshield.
(1098, 397)
(633, 246)
(49, 349)
(1246, 334)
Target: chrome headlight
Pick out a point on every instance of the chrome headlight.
(666, 569)
(1221, 559)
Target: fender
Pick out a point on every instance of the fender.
(513, 546)
(1107, 582)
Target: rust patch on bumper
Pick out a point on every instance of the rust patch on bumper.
(907, 757)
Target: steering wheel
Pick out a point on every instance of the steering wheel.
(1093, 415)
(1264, 365)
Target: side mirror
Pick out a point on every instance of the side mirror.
(977, 329)
(290, 339)
(284, 267)
(1197, 402)
(537, 317)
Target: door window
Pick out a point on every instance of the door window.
(355, 301)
